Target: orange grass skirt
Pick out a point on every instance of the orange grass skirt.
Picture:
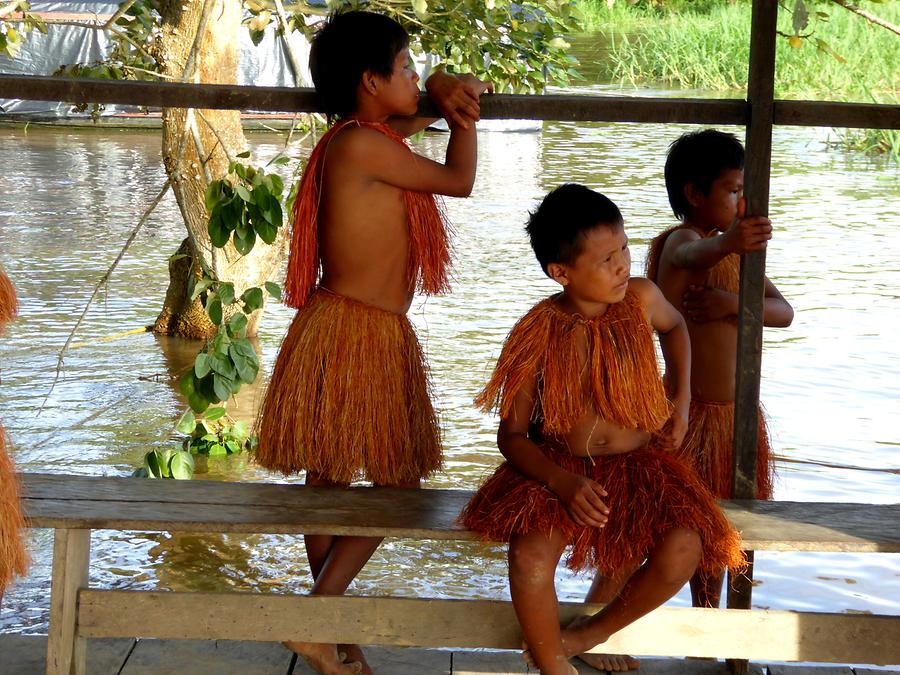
(13, 556)
(349, 397)
(708, 448)
(650, 493)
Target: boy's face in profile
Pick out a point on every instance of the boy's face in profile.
(599, 274)
(719, 208)
(400, 91)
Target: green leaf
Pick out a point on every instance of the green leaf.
(233, 447)
(181, 465)
(215, 311)
(244, 245)
(187, 423)
(273, 289)
(237, 323)
(217, 450)
(213, 195)
(281, 159)
(226, 293)
(218, 232)
(214, 413)
(198, 402)
(246, 370)
(151, 465)
(253, 299)
(222, 365)
(243, 192)
(243, 155)
(240, 430)
(201, 286)
(266, 230)
(277, 183)
(201, 365)
(222, 386)
(244, 347)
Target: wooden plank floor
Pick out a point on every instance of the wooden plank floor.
(24, 655)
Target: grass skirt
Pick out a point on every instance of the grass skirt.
(13, 556)
(707, 447)
(349, 397)
(650, 493)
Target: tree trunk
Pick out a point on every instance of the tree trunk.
(186, 134)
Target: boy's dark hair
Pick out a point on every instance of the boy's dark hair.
(347, 45)
(558, 226)
(699, 157)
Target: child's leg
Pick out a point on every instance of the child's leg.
(532, 569)
(706, 588)
(335, 562)
(669, 566)
(604, 590)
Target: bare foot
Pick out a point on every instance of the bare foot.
(613, 662)
(354, 654)
(529, 659)
(573, 644)
(323, 658)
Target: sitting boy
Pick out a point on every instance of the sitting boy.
(697, 267)
(13, 555)
(349, 395)
(582, 412)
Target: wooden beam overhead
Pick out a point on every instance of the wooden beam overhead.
(498, 106)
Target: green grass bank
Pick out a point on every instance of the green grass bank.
(701, 44)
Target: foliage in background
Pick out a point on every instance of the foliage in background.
(15, 22)
(519, 46)
(827, 53)
(243, 206)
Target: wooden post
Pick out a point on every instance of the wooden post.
(760, 98)
(71, 554)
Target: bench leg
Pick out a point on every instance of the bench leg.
(740, 596)
(65, 650)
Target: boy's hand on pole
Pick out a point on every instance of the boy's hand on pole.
(582, 498)
(747, 234)
(457, 97)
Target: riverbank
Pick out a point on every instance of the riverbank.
(705, 45)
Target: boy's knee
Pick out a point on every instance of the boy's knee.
(684, 551)
(531, 561)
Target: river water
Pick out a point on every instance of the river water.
(69, 198)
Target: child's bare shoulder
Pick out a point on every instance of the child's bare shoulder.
(678, 238)
(645, 290)
(359, 141)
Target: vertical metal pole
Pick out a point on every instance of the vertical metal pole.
(760, 95)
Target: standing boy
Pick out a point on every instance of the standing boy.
(582, 409)
(348, 397)
(697, 267)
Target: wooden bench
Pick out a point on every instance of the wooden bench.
(74, 506)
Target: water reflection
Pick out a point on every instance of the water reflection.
(830, 381)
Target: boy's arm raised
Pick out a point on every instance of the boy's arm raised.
(676, 348)
(746, 234)
(581, 496)
(377, 156)
(457, 99)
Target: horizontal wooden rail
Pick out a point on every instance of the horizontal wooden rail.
(499, 106)
(95, 502)
(668, 631)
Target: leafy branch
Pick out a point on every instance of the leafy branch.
(244, 206)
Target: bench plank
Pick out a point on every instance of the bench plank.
(95, 502)
(668, 631)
